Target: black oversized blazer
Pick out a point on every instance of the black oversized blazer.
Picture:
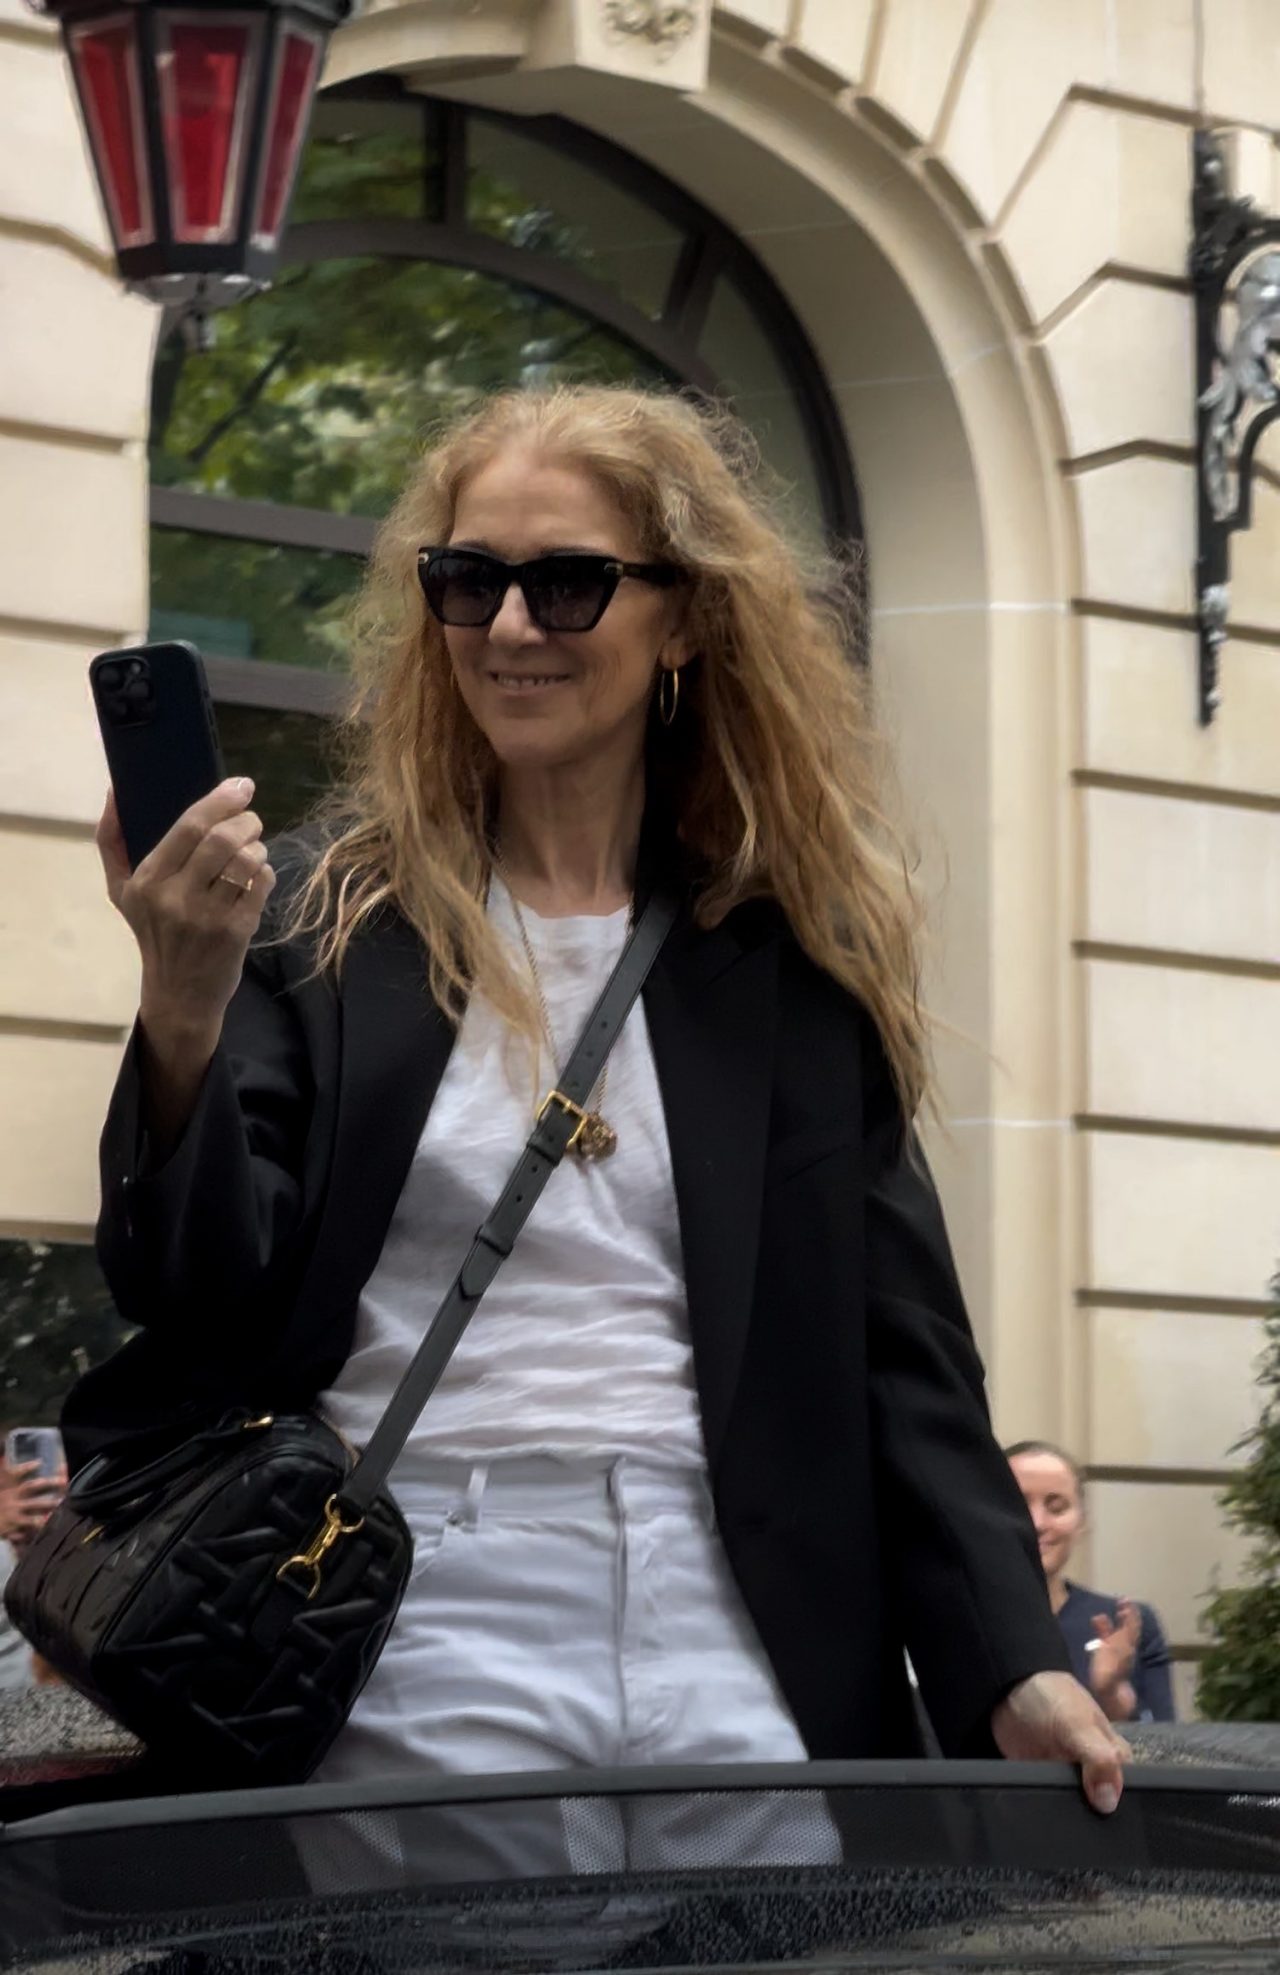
(861, 1499)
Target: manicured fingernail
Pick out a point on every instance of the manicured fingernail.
(1106, 1799)
(242, 785)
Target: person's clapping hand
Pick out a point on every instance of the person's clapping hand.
(1052, 1718)
(27, 1500)
(1111, 1661)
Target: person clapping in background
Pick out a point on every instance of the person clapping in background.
(1117, 1646)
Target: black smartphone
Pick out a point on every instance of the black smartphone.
(159, 734)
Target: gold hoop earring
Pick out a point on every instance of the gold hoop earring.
(667, 703)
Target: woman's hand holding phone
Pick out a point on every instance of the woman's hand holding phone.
(193, 904)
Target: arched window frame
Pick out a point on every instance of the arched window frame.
(711, 251)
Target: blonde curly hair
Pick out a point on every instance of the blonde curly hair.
(774, 772)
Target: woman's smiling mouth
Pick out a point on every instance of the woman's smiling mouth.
(527, 682)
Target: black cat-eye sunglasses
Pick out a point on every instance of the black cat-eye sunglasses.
(563, 591)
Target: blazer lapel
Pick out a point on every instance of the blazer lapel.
(394, 1048)
(711, 1004)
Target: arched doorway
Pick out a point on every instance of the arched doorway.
(924, 381)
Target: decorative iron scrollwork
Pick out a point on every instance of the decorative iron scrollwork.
(1234, 373)
(666, 23)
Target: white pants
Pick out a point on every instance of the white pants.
(563, 1617)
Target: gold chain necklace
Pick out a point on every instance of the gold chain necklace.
(597, 1138)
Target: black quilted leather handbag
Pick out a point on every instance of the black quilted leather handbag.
(228, 1600)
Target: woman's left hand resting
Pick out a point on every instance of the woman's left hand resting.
(1052, 1718)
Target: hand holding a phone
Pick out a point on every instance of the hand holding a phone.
(193, 904)
(27, 1500)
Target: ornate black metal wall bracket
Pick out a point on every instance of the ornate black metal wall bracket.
(1231, 374)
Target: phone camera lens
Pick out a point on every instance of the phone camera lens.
(138, 692)
(110, 677)
(135, 667)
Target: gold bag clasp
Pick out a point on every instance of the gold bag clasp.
(320, 1545)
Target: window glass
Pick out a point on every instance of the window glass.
(319, 393)
(289, 755)
(252, 599)
(371, 159)
(747, 365)
(56, 1320)
(538, 197)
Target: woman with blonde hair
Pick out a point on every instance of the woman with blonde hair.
(715, 1450)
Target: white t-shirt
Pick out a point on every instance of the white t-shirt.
(581, 1346)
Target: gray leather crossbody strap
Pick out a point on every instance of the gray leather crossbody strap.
(546, 1146)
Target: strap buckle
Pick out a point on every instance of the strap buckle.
(571, 1110)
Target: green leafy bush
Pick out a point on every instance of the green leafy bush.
(1240, 1673)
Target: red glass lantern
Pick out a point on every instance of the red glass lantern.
(196, 117)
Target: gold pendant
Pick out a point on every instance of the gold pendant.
(596, 1140)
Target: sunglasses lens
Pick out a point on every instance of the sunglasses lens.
(460, 589)
(568, 592)
(563, 592)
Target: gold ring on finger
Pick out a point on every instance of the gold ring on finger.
(224, 878)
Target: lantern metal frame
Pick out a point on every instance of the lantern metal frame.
(208, 273)
(1233, 374)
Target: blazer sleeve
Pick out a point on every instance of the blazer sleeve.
(957, 1542)
(1152, 1677)
(205, 1238)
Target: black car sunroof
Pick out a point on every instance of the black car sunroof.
(830, 1867)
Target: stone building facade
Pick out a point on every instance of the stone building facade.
(977, 212)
